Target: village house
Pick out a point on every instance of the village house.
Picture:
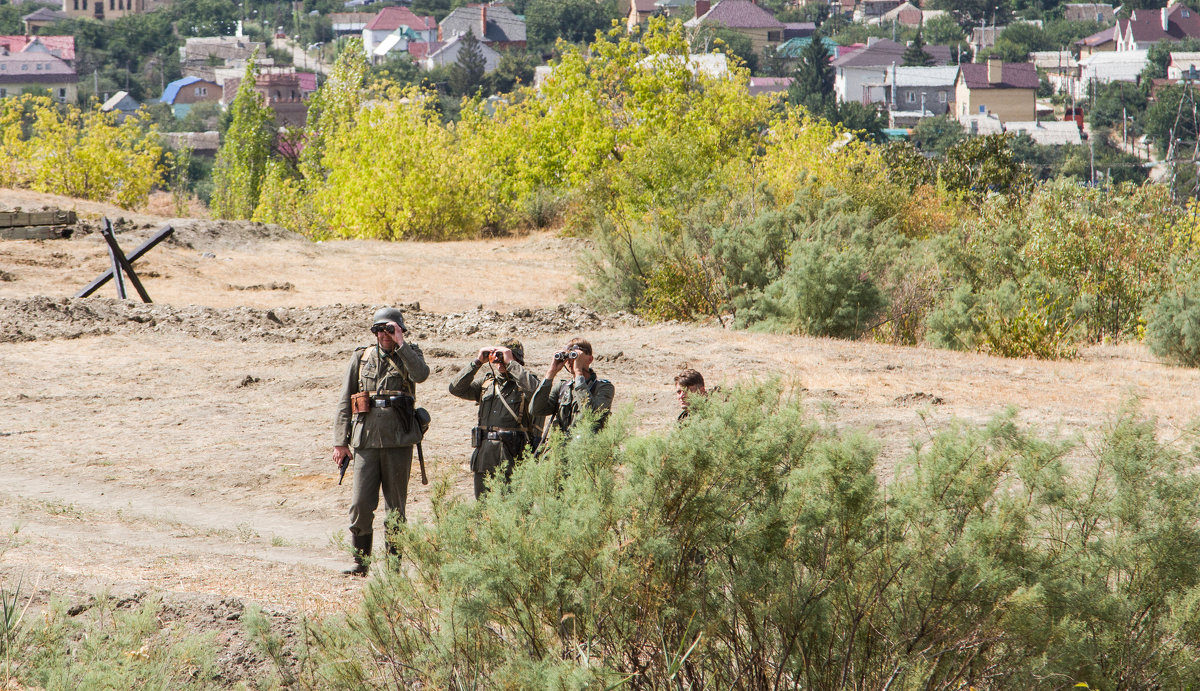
(639, 11)
(1102, 68)
(283, 91)
(349, 23)
(741, 16)
(1145, 28)
(400, 22)
(1089, 12)
(1005, 90)
(856, 72)
(122, 104)
(40, 19)
(1183, 65)
(984, 37)
(915, 93)
(1060, 66)
(871, 11)
(185, 92)
(1047, 133)
(1104, 41)
(908, 14)
(494, 25)
(108, 9)
(447, 54)
(61, 47)
(36, 69)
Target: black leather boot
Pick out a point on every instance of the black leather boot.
(362, 551)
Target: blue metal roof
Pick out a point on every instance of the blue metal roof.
(172, 91)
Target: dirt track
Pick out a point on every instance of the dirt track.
(183, 447)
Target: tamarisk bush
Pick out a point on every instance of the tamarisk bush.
(751, 548)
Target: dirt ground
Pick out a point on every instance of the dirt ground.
(182, 449)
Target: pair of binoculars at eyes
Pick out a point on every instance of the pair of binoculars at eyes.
(566, 355)
(390, 328)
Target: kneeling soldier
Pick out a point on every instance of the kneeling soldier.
(503, 393)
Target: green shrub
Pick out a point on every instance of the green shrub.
(751, 548)
(1173, 329)
(824, 292)
(1037, 319)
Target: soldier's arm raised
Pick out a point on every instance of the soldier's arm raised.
(526, 381)
(414, 362)
(545, 398)
(464, 385)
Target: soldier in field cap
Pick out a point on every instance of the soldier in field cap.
(376, 419)
(503, 393)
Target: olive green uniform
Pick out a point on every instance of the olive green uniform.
(567, 400)
(501, 436)
(381, 438)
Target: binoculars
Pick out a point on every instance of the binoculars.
(390, 328)
(566, 355)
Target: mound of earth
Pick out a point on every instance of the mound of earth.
(41, 318)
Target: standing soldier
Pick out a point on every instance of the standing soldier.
(503, 393)
(375, 416)
(566, 401)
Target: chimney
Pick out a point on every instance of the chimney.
(1166, 18)
(702, 7)
(995, 70)
(482, 21)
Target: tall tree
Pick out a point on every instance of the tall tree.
(915, 55)
(467, 74)
(242, 159)
(812, 83)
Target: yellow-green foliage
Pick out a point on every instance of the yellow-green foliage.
(86, 154)
(626, 125)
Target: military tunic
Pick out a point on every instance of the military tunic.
(381, 439)
(567, 400)
(504, 443)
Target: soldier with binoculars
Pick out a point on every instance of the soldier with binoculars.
(505, 426)
(584, 390)
(377, 419)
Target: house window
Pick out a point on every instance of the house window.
(76, 5)
(912, 97)
(941, 97)
(112, 4)
(85, 5)
(982, 109)
(62, 94)
(25, 67)
(3, 93)
(773, 36)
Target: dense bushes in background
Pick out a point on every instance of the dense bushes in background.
(85, 154)
(753, 548)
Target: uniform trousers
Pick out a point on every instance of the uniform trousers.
(375, 469)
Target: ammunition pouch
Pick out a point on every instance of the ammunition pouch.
(360, 403)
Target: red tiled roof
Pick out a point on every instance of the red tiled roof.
(308, 81)
(1146, 25)
(392, 18)
(419, 50)
(1014, 75)
(741, 14)
(60, 46)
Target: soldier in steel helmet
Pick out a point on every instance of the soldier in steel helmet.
(503, 393)
(582, 390)
(375, 417)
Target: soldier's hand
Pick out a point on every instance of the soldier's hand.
(555, 366)
(505, 354)
(341, 455)
(483, 355)
(398, 337)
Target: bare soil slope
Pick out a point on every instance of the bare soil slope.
(182, 449)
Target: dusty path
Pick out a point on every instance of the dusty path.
(183, 447)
